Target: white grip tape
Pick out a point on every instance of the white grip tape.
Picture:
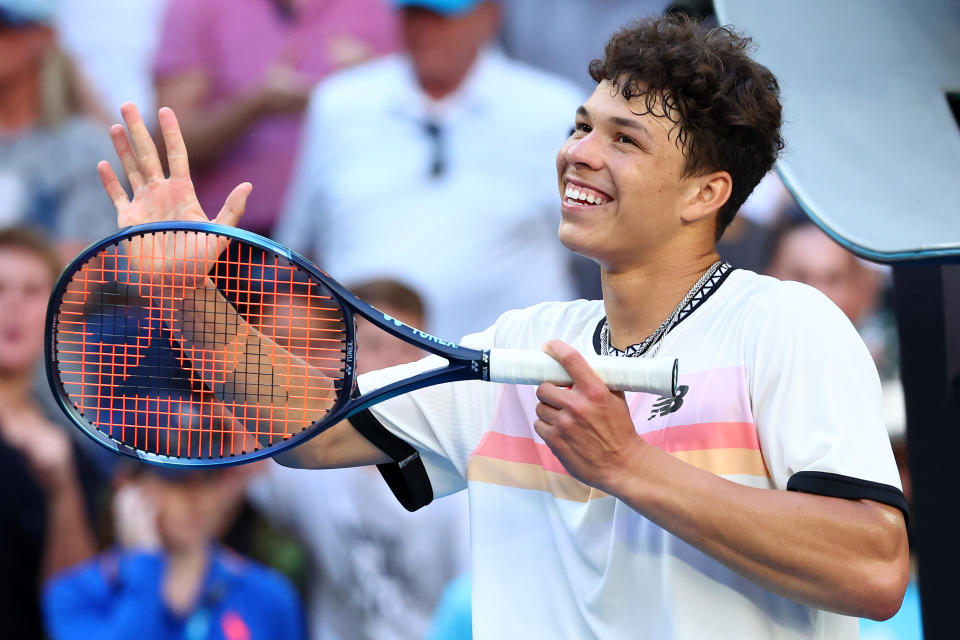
(652, 375)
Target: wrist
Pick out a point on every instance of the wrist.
(629, 469)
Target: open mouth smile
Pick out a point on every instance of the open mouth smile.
(577, 194)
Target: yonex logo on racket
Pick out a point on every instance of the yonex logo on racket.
(422, 334)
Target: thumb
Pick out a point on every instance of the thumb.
(234, 205)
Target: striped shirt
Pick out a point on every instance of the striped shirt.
(778, 392)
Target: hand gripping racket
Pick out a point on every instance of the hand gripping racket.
(200, 344)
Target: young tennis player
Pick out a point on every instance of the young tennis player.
(762, 501)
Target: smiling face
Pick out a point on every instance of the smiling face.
(622, 186)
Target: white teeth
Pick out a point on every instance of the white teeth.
(576, 195)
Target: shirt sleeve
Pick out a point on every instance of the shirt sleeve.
(444, 423)
(816, 400)
(184, 37)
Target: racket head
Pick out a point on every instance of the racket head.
(116, 372)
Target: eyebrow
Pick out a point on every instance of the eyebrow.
(621, 122)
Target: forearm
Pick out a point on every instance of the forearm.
(242, 366)
(69, 538)
(339, 446)
(208, 131)
(848, 556)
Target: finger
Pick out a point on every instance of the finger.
(235, 205)
(576, 365)
(143, 146)
(173, 139)
(127, 158)
(113, 187)
(551, 394)
(550, 415)
(546, 431)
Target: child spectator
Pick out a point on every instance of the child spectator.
(168, 578)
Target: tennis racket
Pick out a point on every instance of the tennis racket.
(193, 343)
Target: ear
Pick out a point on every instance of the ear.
(707, 194)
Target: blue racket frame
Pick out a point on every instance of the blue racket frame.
(463, 363)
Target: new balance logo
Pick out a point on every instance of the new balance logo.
(666, 405)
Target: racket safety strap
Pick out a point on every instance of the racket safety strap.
(406, 475)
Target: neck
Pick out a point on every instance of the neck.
(184, 576)
(15, 389)
(20, 101)
(636, 301)
(437, 91)
(190, 557)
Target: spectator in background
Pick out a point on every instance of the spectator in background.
(747, 241)
(44, 507)
(800, 251)
(46, 146)
(238, 75)
(400, 173)
(168, 578)
(379, 571)
(117, 62)
(562, 36)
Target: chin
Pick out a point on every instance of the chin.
(575, 240)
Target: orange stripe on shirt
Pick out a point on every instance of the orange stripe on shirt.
(704, 435)
(722, 448)
(520, 475)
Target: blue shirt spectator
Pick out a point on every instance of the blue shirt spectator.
(118, 595)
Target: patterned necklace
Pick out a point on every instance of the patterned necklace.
(697, 294)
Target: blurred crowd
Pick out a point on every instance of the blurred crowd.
(404, 145)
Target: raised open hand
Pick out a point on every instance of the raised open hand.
(176, 262)
(156, 197)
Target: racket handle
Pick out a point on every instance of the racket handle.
(651, 375)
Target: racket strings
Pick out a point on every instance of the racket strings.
(182, 344)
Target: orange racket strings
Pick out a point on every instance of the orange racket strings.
(135, 374)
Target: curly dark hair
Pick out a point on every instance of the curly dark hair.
(724, 105)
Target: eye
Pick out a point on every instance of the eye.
(581, 127)
(626, 140)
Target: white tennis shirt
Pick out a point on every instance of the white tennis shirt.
(778, 388)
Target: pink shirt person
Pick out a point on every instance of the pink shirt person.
(228, 51)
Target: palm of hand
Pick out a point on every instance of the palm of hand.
(172, 261)
(163, 200)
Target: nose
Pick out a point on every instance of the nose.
(584, 151)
